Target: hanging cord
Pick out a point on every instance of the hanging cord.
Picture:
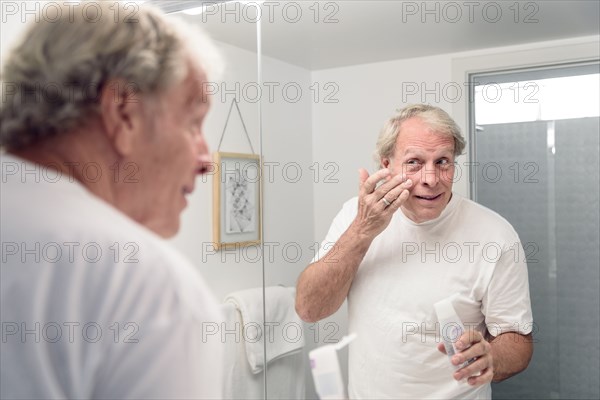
(234, 101)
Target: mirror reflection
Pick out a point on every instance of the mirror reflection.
(332, 74)
(407, 200)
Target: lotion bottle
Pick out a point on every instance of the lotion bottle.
(326, 370)
(451, 327)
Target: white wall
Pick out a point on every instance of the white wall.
(288, 186)
(12, 26)
(288, 180)
(288, 199)
(225, 271)
(288, 206)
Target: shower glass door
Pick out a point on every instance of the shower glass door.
(535, 149)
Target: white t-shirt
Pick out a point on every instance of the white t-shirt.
(469, 250)
(95, 305)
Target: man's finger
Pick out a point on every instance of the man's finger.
(363, 175)
(441, 348)
(468, 338)
(396, 191)
(486, 376)
(476, 350)
(390, 184)
(370, 183)
(398, 199)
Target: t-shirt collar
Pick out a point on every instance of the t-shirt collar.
(450, 207)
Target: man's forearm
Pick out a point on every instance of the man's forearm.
(324, 285)
(511, 354)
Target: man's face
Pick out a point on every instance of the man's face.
(427, 158)
(171, 154)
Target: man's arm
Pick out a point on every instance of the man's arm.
(323, 285)
(511, 353)
(497, 359)
(506, 303)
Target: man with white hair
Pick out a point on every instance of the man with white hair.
(406, 243)
(101, 123)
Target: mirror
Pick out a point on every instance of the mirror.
(317, 86)
(235, 272)
(313, 83)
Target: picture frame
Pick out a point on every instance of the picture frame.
(236, 200)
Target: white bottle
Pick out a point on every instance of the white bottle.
(451, 327)
(326, 370)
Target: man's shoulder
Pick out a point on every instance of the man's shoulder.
(478, 215)
(347, 212)
(72, 230)
(351, 204)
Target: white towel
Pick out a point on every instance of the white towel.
(282, 328)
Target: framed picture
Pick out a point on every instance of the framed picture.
(236, 200)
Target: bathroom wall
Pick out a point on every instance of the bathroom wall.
(288, 190)
(287, 179)
(226, 271)
(12, 27)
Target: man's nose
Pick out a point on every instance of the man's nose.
(203, 157)
(430, 175)
(201, 145)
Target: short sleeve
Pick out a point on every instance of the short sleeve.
(340, 224)
(506, 303)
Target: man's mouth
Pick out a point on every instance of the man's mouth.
(429, 197)
(204, 168)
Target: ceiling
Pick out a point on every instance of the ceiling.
(328, 34)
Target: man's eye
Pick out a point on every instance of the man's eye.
(444, 163)
(412, 165)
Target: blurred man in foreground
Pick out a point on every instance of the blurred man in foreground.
(101, 123)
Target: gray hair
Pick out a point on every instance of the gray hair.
(437, 119)
(53, 77)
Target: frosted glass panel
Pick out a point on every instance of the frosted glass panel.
(548, 190)
(521, 196)
(578, 255)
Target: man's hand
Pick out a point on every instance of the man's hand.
(473, 345)
(323, 285)
(377, 204)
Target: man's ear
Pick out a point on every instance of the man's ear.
(386, 163)
(121, 113)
